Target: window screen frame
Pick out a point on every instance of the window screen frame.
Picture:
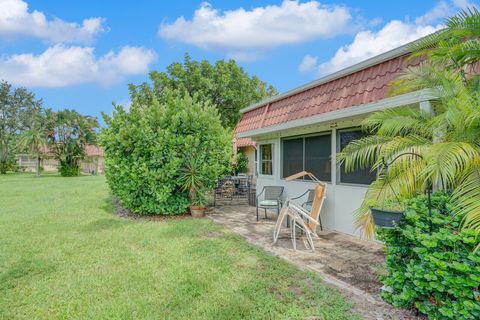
(303, 137)
(339, 167)
(260, 159)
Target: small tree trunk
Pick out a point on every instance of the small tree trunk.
(38, 166)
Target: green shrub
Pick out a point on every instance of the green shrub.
(147, 147)
(436, 271)
(68, 170)
(242, 163)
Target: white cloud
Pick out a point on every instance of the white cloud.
(395, 33)
(367, 44)
(463, 4)
(17, 21)
(440, 11)
(240, 31)
(61, 66)
(308, 64)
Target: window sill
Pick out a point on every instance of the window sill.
(266, 176)
(356, 185)
(307, 181)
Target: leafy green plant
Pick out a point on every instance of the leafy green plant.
(69, 133)
(194, 179)
(18, 107)
(225, 85)
(148, 150)
(430, 264)
(447, 139)
(390, 205)
(242, 163)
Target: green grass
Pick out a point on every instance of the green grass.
(65, 255)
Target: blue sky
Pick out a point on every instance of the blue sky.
(82, 54)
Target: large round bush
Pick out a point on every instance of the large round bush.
(147, 146)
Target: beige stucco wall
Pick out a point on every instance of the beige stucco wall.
(88, 165)
(250, 153)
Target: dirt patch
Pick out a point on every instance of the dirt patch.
(295, 289)
(127, 214)
(215, 234)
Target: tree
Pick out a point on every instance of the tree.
(35, 142)
(448, 141)
(456, 47)
(68, 133)
(152, 150)
(225, 85)
(18, 108)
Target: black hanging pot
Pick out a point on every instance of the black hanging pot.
(386, 218)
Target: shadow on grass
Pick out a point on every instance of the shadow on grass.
(23, 269)
(105, 224)
(108, 206)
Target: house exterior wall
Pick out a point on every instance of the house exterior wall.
(92, 165)
(87, 165)
(341, 200)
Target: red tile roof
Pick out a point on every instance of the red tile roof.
(90, 150)
(93, 151)
(361, 87)
(245, 142)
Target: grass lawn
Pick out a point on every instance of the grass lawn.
(64, 254)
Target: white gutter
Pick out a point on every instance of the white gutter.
(397, 52)
(391, 102)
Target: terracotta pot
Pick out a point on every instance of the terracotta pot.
(197, 212)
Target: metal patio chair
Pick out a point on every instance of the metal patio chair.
(272, 199)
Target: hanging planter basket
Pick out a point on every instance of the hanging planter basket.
(386, 218)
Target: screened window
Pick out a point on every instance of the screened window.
(266, 161)
(292, 156)
(359, 176)
(309, 153)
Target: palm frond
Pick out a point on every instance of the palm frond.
(398, 121)
(446, 161)
(466, 20)
(466, 197)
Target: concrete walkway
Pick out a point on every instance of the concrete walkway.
(342, 261)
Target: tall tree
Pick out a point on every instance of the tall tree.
(69, 133)
(224, 84)
(18, 108)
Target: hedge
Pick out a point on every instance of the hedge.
(431, 262)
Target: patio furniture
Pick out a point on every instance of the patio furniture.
(241, 185)
(224, 190)
(272, 199)
(252, 192)
(307, 205)
(306, 220)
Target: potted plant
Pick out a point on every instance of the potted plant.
(197, 205)
(387, 215)
(194, 180)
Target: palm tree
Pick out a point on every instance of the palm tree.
(447, 141)
(34, 141)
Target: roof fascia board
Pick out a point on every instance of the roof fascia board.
(391, 102)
